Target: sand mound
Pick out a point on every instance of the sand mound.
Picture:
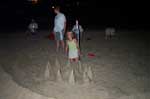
(11, 90)
(120, 68)
(137, 96)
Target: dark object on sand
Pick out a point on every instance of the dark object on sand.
(91, 55)
(51, 36)
(88, 39)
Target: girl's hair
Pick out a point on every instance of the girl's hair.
(72, 34)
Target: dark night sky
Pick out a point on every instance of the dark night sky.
(92, 13)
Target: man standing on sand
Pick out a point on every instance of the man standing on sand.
(59, 28)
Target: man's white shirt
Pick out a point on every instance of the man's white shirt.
(59, 22)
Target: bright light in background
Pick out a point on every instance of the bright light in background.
(53, 7)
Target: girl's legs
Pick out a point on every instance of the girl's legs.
(71, 60)
(76, 59)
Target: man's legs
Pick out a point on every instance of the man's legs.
(63, 45)
(62, 40)
(57, 37)
(57, 45)
(59, 41)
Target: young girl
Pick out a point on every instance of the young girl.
(72, 48)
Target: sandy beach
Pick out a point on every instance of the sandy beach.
(120, 66)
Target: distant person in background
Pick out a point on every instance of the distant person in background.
(59, 28)
(33, 26)
(78, 30)
(109, 33)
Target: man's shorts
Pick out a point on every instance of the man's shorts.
(59, 36)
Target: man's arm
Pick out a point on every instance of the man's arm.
(73, 29)
(65, 26)
(81, 29)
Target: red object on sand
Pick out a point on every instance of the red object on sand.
(91, 55)
(51, 36)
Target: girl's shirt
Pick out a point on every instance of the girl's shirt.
(72, 45)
